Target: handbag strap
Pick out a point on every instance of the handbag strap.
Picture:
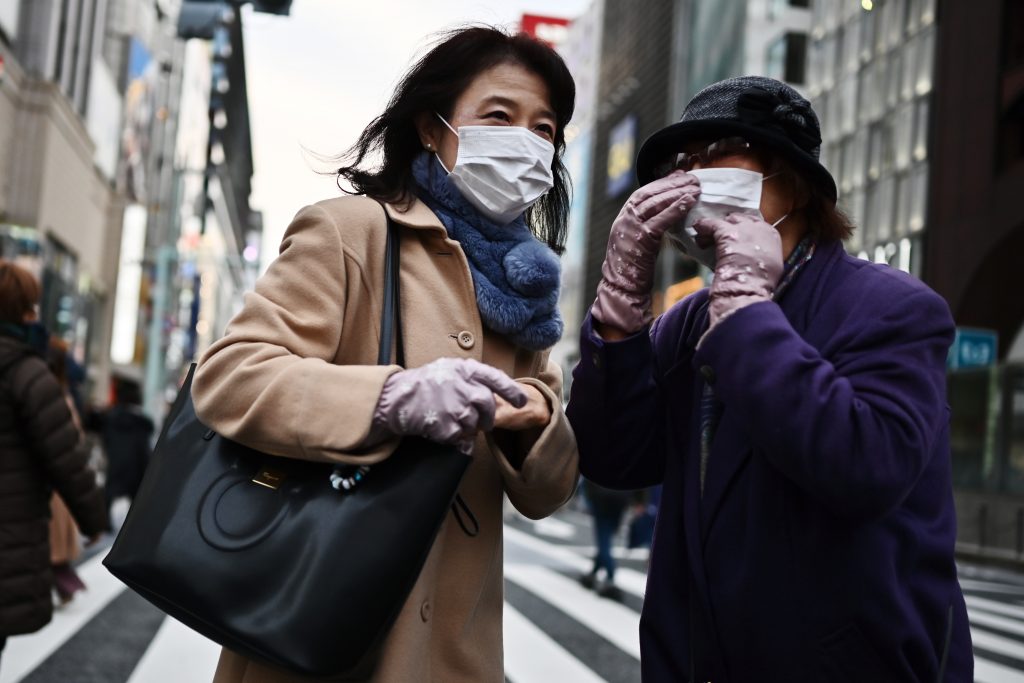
(391, 328)
(391, 313)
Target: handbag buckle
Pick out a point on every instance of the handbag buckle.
(269, 477)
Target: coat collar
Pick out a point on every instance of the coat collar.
(415, 215)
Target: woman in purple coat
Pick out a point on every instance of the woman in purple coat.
(795, 414)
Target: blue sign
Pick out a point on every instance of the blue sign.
(621, 152)
(973, 348)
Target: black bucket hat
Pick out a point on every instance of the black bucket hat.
(761, 110)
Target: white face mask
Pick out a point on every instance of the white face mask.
(501, 170)
(722, 191)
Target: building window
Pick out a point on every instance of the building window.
(777, 7)
(903, 136)
(885, 208)
(918, 196)
(925, 57)
(787, 58)
(921, 129)
(903, 205)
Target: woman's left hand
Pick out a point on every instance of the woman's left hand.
(748, 264)
(536, 412)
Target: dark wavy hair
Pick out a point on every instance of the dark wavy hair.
(433, 84)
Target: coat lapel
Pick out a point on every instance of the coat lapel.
(731, 449)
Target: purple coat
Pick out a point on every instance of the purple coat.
(822, 546)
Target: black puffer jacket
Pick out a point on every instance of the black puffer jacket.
(40, 450)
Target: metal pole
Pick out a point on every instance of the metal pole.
(154, 379)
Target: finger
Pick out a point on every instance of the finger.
(709, 227)
(481, 403)
(666, 201)
(738, 218)
(503, 411)
(676, 179)
(500, 383)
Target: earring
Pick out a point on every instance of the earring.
(430, 147)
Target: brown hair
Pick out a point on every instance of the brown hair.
(824, 217)
(19, 292)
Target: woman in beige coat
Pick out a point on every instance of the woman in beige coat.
(471, 172)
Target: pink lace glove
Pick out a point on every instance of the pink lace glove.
(748, 265)
(446, 401)
(627, 274)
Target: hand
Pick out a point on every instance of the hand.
(748, 266)
(446, 401)
(535, 413)
(627, 274)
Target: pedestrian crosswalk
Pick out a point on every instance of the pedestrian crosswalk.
(555, 630)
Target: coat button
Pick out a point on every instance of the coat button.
(466, 339)
(708, 373)
(425, 610)
(596, 360)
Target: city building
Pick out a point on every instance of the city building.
(927, 146)
(870, 79)
(641, 71)
(972, 256)
(60, 208)
(581, 50)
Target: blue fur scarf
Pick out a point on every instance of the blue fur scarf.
(516, 276)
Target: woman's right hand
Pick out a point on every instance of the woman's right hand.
(447, 401)
(627, 275)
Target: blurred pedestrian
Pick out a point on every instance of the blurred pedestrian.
(466, 160)
(65, 538)
(795, 413)
(641, 522)
(126, 433)
(40, 450)
(607, 507)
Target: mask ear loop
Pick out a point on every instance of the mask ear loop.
(784, 216)
(454, 132)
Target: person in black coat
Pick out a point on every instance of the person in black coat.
(41, 449)
(127, 434)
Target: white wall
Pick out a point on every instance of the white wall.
(9, 17)
(103, 118)
(763, 30)
(74, 201)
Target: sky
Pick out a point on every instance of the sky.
(318, 77)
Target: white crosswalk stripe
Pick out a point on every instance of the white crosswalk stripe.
(25, 653)
(177, 648)
(555, 630)
(619, 625)
(531, 655)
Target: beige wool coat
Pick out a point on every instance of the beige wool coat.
(295, 375)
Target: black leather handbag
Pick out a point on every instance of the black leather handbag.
(298, 564)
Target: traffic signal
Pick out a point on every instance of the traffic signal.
(282, 7)
(201, 19)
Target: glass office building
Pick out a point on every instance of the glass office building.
(870, 73)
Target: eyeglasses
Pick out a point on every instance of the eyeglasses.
(708, 154)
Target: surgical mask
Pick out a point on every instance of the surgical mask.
(722, 191)
(501, 170)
